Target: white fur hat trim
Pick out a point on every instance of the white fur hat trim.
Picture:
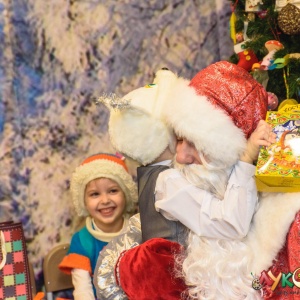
(101, 168)
(210, 129)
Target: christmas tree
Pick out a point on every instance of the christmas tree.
(266, 38)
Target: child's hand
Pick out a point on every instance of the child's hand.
(261, 136)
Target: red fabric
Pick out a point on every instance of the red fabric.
(246, 59)
(147, 271)
(287, 260)
(235, 91)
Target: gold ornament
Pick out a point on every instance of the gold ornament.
(251, 16)
(287, 102)
(289, 19)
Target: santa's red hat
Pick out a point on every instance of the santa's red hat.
(217, 111)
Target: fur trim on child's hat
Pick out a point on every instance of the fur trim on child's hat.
(217, 111)
(138, 130)
(102, 166)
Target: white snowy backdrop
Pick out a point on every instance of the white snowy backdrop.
(55, 56)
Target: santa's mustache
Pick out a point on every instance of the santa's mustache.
(206, 177)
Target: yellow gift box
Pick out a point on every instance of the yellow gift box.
(278, 166)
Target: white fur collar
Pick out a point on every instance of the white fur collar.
(270, 226)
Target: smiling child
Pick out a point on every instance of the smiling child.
(103, 191)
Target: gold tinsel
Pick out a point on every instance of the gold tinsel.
(289, 19)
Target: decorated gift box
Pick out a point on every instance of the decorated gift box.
(278, 166)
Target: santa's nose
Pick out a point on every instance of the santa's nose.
(185, 152)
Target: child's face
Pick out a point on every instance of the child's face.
(186, 153)
(105, 202)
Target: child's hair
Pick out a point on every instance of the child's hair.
(102, 166)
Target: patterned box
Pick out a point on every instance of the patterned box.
(14, 272)
(278, 166)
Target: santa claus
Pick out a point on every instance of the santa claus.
(264, 263)
(229, 251)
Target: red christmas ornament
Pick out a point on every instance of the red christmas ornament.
(272, 101)
(262, 14)
(239, 37)
(246, 59)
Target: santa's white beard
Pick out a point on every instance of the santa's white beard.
(214, 268)
(217, 269)
(206, 177)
